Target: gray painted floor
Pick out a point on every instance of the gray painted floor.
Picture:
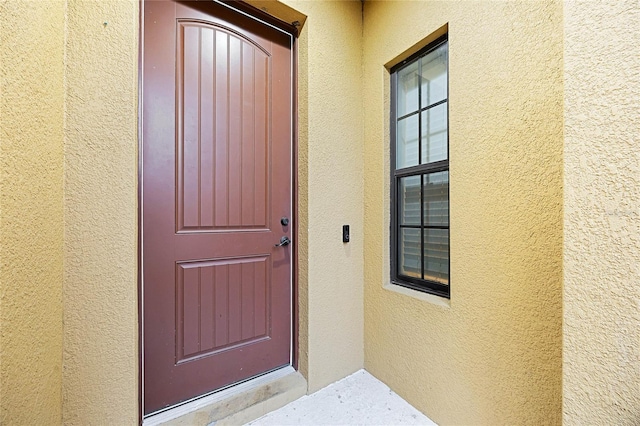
(359, 399)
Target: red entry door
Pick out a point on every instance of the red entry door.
(216, 185)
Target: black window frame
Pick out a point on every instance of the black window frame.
(419, 284)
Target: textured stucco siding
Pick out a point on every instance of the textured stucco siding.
(100, 200)
(601, 372)
(31, 211)
(331, 190)
(543, 98)
(493, 356)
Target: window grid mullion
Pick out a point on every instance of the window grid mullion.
(423, 109)
(425, 227)
(422, 175)
(422, 226)
(439, 166)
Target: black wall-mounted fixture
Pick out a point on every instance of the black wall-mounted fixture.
(345, 233)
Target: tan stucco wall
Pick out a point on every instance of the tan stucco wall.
(494, 355)
(100, 251)
(331, 190)
(31, 211)
(602, 213)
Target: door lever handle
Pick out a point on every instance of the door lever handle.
(284, 241)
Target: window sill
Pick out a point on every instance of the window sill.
(415, 294)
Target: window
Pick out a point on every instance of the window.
(420, 171)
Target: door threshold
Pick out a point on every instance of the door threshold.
(238, 403)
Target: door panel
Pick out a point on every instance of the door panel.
(221, 303)
(216, 180)
(235, 74)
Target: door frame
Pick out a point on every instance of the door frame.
(293, 31)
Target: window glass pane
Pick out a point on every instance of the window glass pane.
(436, 255)
(408, 84)
(436, 199)
(434, 76)
(434, 134)
(407, 142)
(409, 198)
(409, 252)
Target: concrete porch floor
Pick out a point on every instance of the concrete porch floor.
(359, 399)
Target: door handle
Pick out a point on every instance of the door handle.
(284, 241)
